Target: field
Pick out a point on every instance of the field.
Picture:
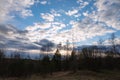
(80, 75)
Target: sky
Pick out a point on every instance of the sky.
(27, 23)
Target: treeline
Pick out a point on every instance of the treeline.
(89, 58)
(84, 60)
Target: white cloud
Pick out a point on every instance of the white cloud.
(19, 7)
(90, 26)
(56, 26)
(79, 1)
(85, 13)
(83, 30)
(108, 12)
(55, 13)
(47, 17)
(72, 12)
(77, 15)
(36, 33)
(83, 4)
(37, 26)
(80, 31)
(25, 13)
(43, 30)
(43, 2)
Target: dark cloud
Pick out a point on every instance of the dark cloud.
(16, 39)
(7, 28)
(22, 32)
(20, 44)
(46, 45)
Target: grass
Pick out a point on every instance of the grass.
(80, 75)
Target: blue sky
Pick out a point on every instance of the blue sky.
(83, 22)
(57, 5)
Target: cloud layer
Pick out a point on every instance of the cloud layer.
(86, 20)
(108, 12)
(12, 38)
(98, 22)
(9, 8)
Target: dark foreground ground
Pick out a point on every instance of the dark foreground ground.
(80, 75)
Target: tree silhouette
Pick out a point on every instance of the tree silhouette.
(46, 65)
(73, 61)
(2, 55)
(57, 60)
(113, 44)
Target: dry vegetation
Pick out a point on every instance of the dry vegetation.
(81, 75)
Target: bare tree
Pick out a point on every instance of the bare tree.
(16, 54)
(113, 44)
(100, 44)
(57, 60)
